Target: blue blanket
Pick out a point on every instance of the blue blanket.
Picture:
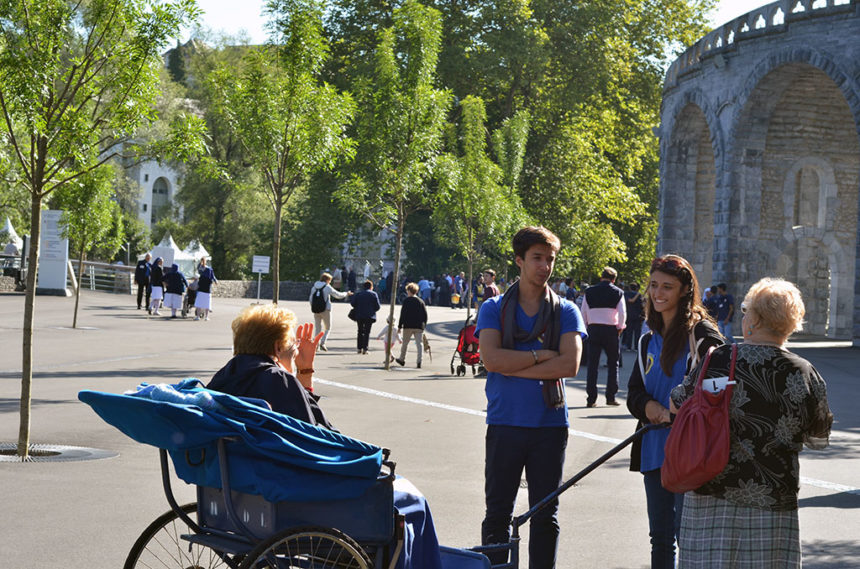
(275, 456)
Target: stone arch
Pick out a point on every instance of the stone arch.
(692, 157)
(795, 176)
(161, 197)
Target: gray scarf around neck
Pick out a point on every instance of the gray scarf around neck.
(547, 327)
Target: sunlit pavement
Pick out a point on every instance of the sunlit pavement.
(87, 514)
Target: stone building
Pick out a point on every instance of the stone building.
(760, 157)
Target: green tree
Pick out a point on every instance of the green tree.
(399, 127)
(76, 81)
(89, 214)
(290, 124)
(475, 210)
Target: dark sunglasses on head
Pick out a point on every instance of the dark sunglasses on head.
(660, 264)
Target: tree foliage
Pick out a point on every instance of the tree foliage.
(475, 210)
(90, 217)
(399, 125)
(290, 124)
(77, 80)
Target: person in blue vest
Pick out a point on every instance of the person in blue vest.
(530, 340)
(605, 312)
(141, 277)
(725, 312)
(681, 334)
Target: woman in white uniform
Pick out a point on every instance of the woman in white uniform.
(203, 301)
(157, 289)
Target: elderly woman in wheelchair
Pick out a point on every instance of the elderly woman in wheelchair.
(277, 486)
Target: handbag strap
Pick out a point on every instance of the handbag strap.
(704, 369)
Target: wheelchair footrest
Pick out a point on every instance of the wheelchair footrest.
(224, 544)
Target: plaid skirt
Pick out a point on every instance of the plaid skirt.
(717, 534)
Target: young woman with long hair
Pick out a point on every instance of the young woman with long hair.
(681, 332)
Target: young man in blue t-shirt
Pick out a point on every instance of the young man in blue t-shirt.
(527, 335)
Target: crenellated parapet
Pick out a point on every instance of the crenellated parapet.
(773, 18)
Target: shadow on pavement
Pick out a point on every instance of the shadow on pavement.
(830, 554)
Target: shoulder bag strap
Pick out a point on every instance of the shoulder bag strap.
(639, 357)
(704, 369)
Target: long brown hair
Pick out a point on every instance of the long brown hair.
(690, 311)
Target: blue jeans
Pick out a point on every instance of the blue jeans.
(726, 330)
(664, 520)
(541, 452)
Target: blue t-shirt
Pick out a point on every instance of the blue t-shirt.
(659, 385)
(518, 401)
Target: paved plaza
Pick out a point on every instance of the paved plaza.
(87, 514)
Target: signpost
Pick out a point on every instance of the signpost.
(260, 265)
(53, 256)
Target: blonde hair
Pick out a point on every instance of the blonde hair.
(325, 277)
(260, 328)
(778, 304)
(412, 288)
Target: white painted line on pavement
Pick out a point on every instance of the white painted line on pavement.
(582, 434)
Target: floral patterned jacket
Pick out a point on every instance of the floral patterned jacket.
(778, 405)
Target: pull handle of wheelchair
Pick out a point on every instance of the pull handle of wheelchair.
(520, 520)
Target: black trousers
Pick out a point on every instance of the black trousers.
(602, 338)
(364, 326)
(141, 289)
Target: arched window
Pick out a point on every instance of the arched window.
(159, 200)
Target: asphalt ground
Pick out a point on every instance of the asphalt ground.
(87, 514)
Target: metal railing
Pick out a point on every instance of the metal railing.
(105, 277)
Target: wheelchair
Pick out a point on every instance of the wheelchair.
(230, 529)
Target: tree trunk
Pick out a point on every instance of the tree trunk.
(29, 310)
(78, 288)
(276, 253)
(395, 286)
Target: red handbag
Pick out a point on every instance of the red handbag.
(698, 446)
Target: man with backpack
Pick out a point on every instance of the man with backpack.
(320, 299)
(530, 341)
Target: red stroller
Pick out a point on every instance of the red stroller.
(467, 350)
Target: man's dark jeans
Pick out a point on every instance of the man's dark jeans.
(541, 452)
(602, 338)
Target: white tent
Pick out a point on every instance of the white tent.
(9, 236)
(196, 249)
(170, 252)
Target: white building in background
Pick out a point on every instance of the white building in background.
(159, 184)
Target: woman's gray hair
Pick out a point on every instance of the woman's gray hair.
(778, 304)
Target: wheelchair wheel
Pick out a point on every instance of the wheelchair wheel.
(160, 546)
(308, 548)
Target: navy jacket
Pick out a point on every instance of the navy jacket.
(366, 304)
(249, 375)
(175, 282)
(142, 272)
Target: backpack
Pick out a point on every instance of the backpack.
(318, 300)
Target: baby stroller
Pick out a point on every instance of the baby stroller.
(467, 349)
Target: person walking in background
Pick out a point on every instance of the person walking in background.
(530, 338)
(424, 289)
(747, 516)
(725, 312)
(710, 302)
(350, 280)
(413, 320)
(604, 312)
(155, 278)
(681, 334)
(203, 299)
(174, 287)
(366, 305)
(635, 316)
(142, 273)
(320, 299)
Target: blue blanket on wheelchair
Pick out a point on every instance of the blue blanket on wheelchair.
(273, 455)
